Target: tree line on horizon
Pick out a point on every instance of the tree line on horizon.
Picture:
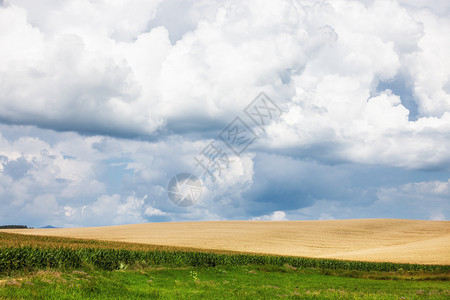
(14, 227)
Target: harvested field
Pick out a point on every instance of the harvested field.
(392, 240)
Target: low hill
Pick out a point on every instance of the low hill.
(392, 240)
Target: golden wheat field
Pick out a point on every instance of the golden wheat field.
(391, 240)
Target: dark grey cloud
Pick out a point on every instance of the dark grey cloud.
(287, 184)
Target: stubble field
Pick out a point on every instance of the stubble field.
(376, 240)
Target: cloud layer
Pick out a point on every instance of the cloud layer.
(102, 102)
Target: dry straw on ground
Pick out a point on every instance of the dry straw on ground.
(392, 240)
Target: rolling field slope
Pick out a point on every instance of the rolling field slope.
(391, 240)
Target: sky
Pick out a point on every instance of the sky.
(103, 102)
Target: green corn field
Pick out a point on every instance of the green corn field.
(18, 252)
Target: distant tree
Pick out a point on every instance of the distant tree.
(13, 226)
